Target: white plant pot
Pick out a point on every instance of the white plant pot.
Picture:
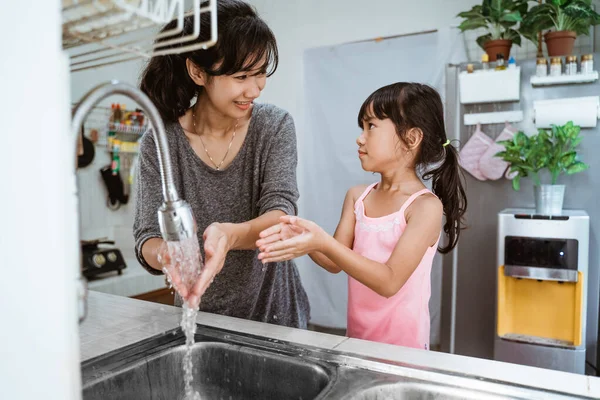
(549, 199)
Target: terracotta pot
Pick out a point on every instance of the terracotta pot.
(560, 43)
(493, 47)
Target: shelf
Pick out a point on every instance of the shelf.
(564, 79)
(124, 146)
(490, 86)
(128, 151)
(493, 117)
(123, 128)
(105, 22)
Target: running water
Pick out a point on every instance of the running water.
(186, 261)
(188, 324)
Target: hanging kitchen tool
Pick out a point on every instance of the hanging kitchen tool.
(114, 185)
(86, 157)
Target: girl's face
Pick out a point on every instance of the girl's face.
(379, 147)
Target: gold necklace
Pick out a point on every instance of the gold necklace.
(217, 167)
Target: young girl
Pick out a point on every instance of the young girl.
(389, 231)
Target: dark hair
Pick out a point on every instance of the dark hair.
(243, 41)
(414, 105)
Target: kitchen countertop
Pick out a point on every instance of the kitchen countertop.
(114, 322)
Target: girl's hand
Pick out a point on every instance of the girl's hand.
(279, 232)
(292, 238)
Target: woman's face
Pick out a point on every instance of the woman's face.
(233, 95)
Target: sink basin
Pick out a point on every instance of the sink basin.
(221, 371)
(416, 391)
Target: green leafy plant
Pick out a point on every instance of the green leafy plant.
(560, 15)
(497, 17)
(553, 150)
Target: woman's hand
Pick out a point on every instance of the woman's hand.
(293, 237)
(171, 268)
(216, 246)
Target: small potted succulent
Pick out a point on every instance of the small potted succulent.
(499, 19)
(563, 20)
(552, 152)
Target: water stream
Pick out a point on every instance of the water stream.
(186, 261)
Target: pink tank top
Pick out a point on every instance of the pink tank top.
(402, 319)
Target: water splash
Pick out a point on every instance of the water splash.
(186, 263)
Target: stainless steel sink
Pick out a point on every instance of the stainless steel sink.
(234, 366)
(221, 371)
(420, 391)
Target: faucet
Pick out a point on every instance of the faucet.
(175, 216)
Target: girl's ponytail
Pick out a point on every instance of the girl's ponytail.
(448, 186)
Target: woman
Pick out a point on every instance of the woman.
(234, 162)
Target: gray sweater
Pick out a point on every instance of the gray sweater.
(261, 178)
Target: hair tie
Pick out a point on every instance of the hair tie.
(447, 143)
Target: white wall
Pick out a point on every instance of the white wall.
(39, 347)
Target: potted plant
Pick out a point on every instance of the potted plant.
(565, 20)
(498, 18)
(553, 152)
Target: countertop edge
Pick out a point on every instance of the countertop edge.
(134, 320)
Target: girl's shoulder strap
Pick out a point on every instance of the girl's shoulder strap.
(364, 194)
(413, 197)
